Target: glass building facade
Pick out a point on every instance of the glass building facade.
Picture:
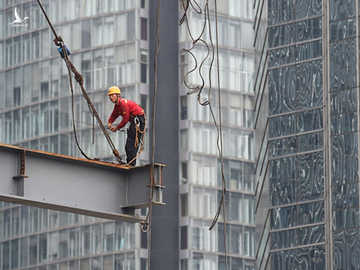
(109, 43)
(306, 130)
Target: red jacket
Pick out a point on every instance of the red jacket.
(127, 109)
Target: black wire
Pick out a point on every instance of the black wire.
(198, 89)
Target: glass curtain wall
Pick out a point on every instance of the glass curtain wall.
(306, 135)
(200, 177)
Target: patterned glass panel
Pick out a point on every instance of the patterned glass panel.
(311, 235)
(311, 176)
(281, 56)
(344, 101)
(346, 250)
(283, 168)
(283, 239)
(343, 29)
(286, 259)
(344, 123)
(312, 141)
(281, 35)
(344, 159)
(281, 11)
(308, 50)
(340, 10)
(281, 90)
(309, 29)
(310, 120)
(311, 213)
(346, 219)
(283, 217)
(309, 83)
(345, 196)
(282, 147)
(282, 125)
(312, 258)
(308, 8)
(343, 55)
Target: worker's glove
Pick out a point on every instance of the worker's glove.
(113, 129)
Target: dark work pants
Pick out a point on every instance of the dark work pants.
(130, 149)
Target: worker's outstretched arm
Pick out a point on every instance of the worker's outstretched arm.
(125, 113)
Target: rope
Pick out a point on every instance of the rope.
(79, 78)
(198, 89)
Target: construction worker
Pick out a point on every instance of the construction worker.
(130, 112)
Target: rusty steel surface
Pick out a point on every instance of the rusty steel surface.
(76, 185)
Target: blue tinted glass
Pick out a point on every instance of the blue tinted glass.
(308, 8)
(283, 217)
(282, 125)
(282, 147)
(281, 11)
(312, 141)
(344, 159)
(309, 29)
(311, 176)
(346, 218)
(346, 249)
(311, 235)
(343, 123)
(282, 192)
(282, 168)
(281, 56)
(286, 259)
(283, 239)
(312, 258)
(345, 196)
(309, 50)
(344, 101)
(311, 213)
(281, 35)
(343, 64)
(281, 90)
(340, 10)
(343, 29)
(309, 83)
(310, 120)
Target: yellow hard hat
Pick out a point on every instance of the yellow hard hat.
(114, 90)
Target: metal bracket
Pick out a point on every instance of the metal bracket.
(19, 184)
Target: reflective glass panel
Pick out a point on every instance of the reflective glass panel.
(281, 90)
(308, 8)
(343, 29)
(345, 196)
(343, 101)
(281, 35)
(346, 218)
(309, 84)
(308, 50)
(344, 159)
(344, 123)
(309, 29)
(311, 176)
(346, 249)
(311, 235)
(311, 213)
(343, 68)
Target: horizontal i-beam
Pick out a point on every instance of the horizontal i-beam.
(77, 185)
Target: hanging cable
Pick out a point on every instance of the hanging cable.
(146, 224)
(198, 89)
(78, 77)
